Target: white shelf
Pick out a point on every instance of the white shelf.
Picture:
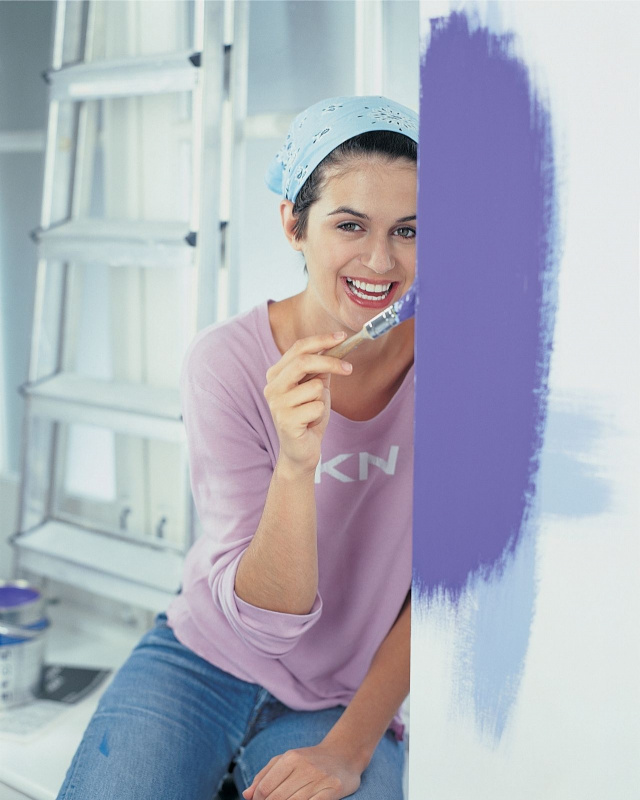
(118, 243)
(126, 571)
(134, 409)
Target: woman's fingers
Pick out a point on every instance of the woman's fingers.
(270, 777)
(250, 790)
(310, 344)
(308, 364)
(285, 778)
(295, 423)
(295, 786)
(299, 398)
(303, 774)
(304, 393)
(303, 405)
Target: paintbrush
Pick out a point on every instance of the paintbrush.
(398, 312)
(403, 309)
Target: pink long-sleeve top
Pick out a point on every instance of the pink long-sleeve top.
(363, 488)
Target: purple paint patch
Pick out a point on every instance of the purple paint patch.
(486, 263)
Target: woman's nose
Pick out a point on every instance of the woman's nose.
(377, 257)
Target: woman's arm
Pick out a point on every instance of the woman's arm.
(340, 759)
(381, 693)
(279, 569)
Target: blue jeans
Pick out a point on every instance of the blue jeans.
(170, 726)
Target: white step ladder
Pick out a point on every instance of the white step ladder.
(93, 543)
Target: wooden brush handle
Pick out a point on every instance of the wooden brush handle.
(341, 350)
(348, 345)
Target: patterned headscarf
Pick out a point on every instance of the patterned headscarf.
(314, 133)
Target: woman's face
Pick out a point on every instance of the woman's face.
(360, 241)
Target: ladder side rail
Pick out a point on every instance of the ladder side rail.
(41, 272)
(57, 54)
(190, 276)
(198, 26)
(238, 91)
(122, 131)
(73, 286)
(369, 51)
(190, 282)
(196, 128)
(208, 250)
(208, 97)
(161, 320)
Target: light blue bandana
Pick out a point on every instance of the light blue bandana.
(314, 133)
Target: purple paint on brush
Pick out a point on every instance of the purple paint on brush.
(405, 307)
(486, 263)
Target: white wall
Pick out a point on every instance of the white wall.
(574, 729)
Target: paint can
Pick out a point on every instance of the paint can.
(23, 628)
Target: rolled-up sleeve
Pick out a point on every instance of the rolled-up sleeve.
(271, 633)
(231, 468)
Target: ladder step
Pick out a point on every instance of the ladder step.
(126, 571)
(118, 243)
(158, 74)
(130, 408)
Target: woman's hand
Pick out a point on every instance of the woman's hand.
(300, 410)
(318, 772)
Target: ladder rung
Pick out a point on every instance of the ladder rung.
(127, 571)
(130, 408)
(174, 72)
(117, 243)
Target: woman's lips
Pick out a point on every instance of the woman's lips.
(383, 302)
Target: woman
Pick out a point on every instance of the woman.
(286, 655)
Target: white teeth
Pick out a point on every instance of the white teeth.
(368, 296)
(370, 287)
(379, 292)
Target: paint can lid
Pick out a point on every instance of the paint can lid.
(20, 603)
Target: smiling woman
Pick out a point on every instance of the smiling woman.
(286, 655)
(353, 225)
(360, 257)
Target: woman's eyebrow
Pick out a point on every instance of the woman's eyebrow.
(347, 210)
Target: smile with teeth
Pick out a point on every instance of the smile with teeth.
(369, 291)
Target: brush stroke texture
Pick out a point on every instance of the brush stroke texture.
(484, 320)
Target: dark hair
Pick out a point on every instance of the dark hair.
(390, 144)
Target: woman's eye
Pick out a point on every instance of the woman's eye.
(406, 233)
(349, 226)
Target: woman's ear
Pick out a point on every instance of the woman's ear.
(289, 223)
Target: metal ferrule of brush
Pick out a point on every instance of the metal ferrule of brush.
(382, 322)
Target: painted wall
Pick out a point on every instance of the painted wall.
(525, 651)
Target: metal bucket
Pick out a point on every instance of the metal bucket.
(23, 628)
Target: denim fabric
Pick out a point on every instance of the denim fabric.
(171, 726)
